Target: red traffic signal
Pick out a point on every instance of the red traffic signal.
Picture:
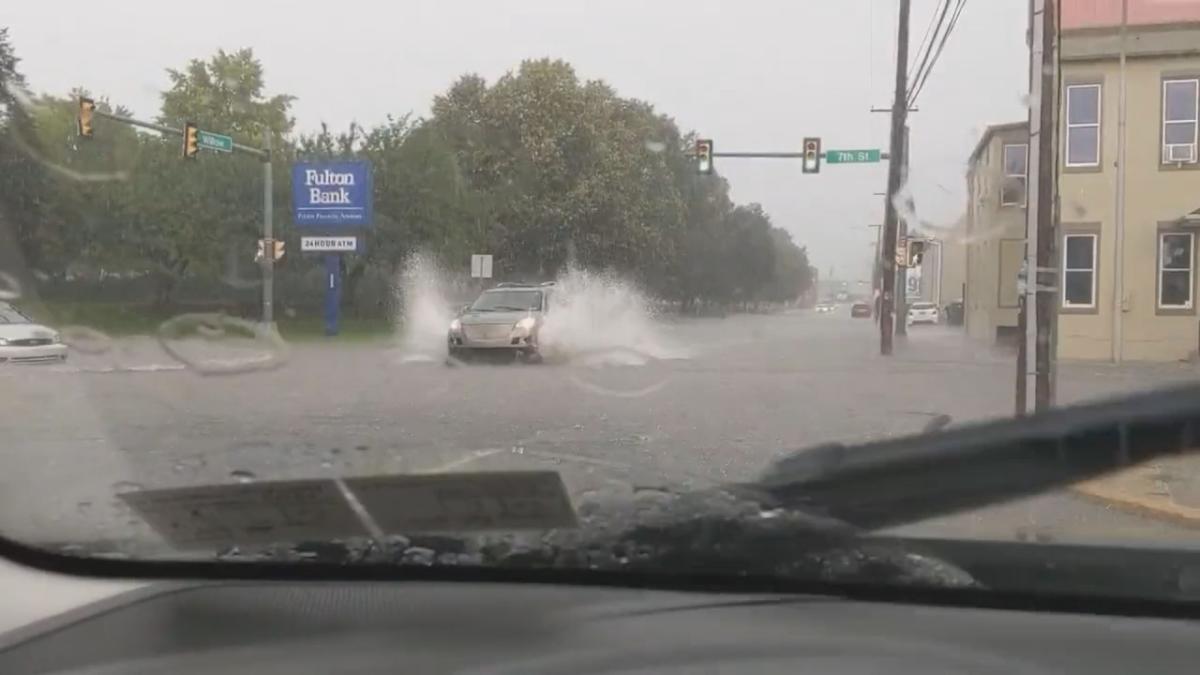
(83, 122)
(812, 155)
(704, 158)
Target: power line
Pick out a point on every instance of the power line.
(919, 84)
(922, 53)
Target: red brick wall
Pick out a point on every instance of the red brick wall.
(1097, 13)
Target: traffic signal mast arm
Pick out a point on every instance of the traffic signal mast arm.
(257, 152)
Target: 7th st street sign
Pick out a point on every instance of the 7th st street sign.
(853, 156)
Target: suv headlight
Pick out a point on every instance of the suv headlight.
(455, 326)
(525, 325)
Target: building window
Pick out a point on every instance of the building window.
(1016, 166)
(1083, 125)
(1175, 270)
(1079, 270)
(1181, 103)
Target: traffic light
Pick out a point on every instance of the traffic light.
(916, 251)
(191, 140)
(84, 120)
(704, 158)
(812, 155)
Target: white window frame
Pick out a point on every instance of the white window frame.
(1194, 121)
(1095, 245)
(1080, 125)
(1024, 175)
(1191, 270)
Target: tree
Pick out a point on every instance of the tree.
(181, 217)
(225, 94)
(26, 188)
(562, 167)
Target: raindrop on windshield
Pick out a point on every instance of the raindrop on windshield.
(242, 476)
(418, 555)
(192, 463)
(217, 344)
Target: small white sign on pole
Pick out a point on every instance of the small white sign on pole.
(481, 266)
(332, 244)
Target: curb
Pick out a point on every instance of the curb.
(1139, 491)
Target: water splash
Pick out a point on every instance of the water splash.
(425, 309)
(599, 318)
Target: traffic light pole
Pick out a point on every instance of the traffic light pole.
(268, 261)
(264, 154)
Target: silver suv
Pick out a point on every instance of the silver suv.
(504, 319)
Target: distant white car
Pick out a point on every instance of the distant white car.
(23, 341)
(923, 312)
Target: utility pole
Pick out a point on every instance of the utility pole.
(895, 166)
(1041, 277)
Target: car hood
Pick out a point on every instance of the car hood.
(24, 331)
(471, 318)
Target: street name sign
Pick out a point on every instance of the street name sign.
(332, 195)
(329, 244)
(210, 141)
(852, 156)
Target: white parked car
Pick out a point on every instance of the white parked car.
(923, 312)
(23, 341)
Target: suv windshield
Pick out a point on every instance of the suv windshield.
(9, 314)
(613, 265)
(510, 300)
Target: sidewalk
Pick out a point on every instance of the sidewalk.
(1167, 489)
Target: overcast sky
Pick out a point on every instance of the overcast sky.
(752, 75)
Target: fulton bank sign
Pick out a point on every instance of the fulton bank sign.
(331, 195)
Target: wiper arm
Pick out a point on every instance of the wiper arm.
(902, 481)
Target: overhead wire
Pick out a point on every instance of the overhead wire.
(919, 82)
(935, 19)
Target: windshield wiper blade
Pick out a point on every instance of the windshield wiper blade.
(908, 480)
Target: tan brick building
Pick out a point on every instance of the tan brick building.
(1154, 312)
(995, 231)
(1150, 314)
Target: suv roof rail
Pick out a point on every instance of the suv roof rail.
(522, 284)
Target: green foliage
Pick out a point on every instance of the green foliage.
(539, 168)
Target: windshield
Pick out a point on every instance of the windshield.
(508, 301)
(9, 314)
(294, 259)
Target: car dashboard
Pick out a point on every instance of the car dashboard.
(529, 629)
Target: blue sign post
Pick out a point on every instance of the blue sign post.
(332, 199)
(333, 292)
